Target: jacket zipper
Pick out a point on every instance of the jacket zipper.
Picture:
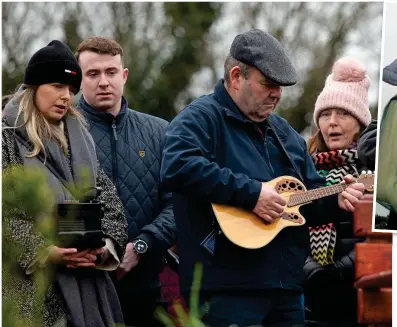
(114, 153)
(267, 152)
(264, 138)
(114, 129)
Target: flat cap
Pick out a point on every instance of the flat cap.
(262, 51)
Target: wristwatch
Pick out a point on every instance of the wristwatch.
(140, 246)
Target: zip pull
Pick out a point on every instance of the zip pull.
(114, 129)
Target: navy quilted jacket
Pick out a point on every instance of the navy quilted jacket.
(129, 148)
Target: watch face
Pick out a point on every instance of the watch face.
(140, 246)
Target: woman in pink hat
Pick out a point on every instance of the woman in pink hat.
(341, 113)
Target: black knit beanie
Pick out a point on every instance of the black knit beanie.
(54, 63)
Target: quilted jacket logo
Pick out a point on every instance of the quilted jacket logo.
(141, 153)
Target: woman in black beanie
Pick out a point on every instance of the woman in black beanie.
(42, 129)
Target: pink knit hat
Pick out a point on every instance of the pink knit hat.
(346, 88)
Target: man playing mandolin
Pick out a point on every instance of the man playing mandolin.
(226, 148)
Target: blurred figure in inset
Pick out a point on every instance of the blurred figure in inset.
(390, 73)
(386, 191)
(42, 129)
(341, 113)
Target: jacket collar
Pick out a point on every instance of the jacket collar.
(227, 104)
(231, 110)
(104, 116)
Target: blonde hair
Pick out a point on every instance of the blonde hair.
(38, 127)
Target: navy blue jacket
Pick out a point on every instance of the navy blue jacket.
(214, 154)
(129, 148)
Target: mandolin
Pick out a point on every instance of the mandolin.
(245, 229)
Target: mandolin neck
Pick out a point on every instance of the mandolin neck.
(307, 196)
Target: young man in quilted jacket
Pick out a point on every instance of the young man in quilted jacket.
(129, 146)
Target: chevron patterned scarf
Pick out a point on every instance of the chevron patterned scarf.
(333, 166)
